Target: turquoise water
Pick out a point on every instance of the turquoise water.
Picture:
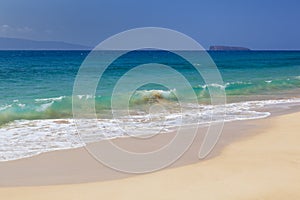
(36, 90)
(31, 80)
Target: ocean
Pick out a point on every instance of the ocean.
(36, 90)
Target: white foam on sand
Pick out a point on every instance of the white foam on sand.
(25, 138)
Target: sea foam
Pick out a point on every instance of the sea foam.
(25, 138)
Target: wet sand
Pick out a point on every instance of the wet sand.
(256, 159)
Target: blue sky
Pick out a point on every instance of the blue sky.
(257, 24)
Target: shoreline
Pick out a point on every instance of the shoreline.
(78, 166)
(55, 130)
(75, 166)
(264, 165)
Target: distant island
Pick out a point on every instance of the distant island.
(228, 48)
(25, 44)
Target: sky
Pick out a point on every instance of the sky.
(256, 24)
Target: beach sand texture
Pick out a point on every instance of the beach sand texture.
(263, 166)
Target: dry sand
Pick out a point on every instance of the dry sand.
(265, 165)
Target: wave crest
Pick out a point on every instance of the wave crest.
(153, 96)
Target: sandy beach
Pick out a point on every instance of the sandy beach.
(265, 164)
